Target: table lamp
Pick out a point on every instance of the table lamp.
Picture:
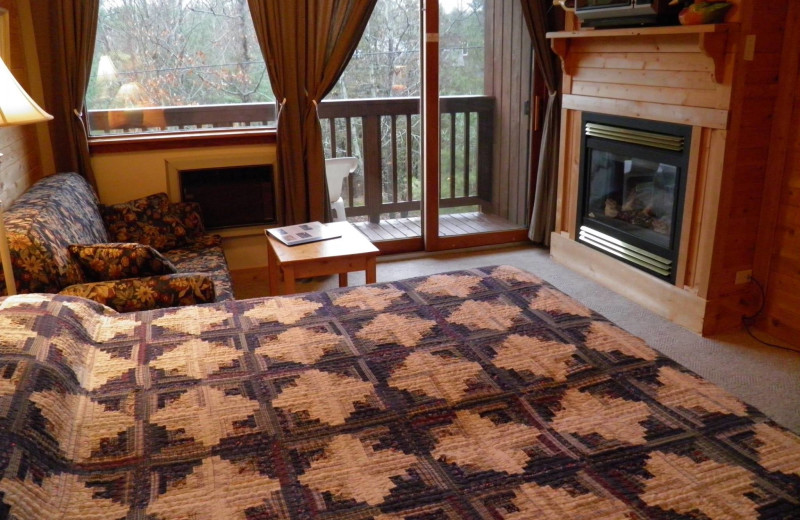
(16, 108)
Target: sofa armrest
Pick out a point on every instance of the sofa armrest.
(148, 292)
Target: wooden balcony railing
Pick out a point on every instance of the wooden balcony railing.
(385, 133)
(180, 119)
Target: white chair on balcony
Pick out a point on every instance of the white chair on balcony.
(336, 170)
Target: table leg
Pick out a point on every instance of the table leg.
(343, 279)
(288, 280)
(370, 270)
(274, 271)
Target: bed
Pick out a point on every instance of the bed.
(477, 394)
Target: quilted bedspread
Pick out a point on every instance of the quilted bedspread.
(477, 394)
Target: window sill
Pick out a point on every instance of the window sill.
(148, 142)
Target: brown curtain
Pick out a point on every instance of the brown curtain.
(544, 201)
(306, 44)
(65, 55)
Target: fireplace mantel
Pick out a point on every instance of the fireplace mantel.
(710, 39)
(677, 74)
(702, 76)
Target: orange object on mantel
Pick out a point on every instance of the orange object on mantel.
(704, 12)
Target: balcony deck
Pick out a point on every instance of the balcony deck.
(449, 225)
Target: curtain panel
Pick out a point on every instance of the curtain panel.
(67, 30)
(306, 45)
(544, 202)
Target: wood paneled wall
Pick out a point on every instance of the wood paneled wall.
(507, 77)
(20, 165)
(748, 143)
(778, 253)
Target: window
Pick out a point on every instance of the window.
(176, 66)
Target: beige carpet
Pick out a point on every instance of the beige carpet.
(765, 377)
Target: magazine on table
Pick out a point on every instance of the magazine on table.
(303, 233)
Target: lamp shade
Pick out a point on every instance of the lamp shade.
(16, 106)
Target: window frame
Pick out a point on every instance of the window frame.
(110, 141)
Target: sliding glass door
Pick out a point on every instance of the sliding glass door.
(484, 79)
(439, 123)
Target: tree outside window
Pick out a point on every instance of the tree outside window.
(153, 57)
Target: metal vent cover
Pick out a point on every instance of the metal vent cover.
(616, 247)
(641, 137)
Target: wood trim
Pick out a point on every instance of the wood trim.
(147, 143)
(538, 102)
(568, 173)
(408, 245)
(673, 303)
(713, 45)
(35, 87)
(561, 48)
(776, 161)
(644, 31)
(574, 172)
(482, 239)
(693, 116)
(562, 184)
(713, 170)
(5, 37)
(707, 98)
(688, 207)
(430, 122)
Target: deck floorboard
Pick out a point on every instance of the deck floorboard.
(449, 225)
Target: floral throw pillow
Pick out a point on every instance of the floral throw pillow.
(154, 221)
(153, 292)
(117, 261)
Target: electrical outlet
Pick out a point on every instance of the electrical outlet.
(749, 47)
(743, 276)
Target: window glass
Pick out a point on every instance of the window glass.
(177, 65)
(387, 60)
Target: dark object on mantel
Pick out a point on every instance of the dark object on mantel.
(623, 13)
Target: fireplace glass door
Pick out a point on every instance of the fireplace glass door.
(632, 186)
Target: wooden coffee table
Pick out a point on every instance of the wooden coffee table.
(350, 252)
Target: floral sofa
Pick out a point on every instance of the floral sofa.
(479, 394)
(142, 254)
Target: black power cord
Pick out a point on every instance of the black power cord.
(748, 321)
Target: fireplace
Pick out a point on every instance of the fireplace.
(231, 196)
(631, 190)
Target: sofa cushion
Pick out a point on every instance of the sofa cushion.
(57, 211)
(205, 255)
(153, 220)
(118, 260)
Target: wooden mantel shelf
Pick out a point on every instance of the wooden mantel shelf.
(643, 31)
(711, 39)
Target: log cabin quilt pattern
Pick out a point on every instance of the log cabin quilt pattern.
(476, 394)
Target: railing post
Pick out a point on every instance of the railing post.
(485, 153)
(373, 160)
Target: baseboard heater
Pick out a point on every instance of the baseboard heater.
(232, 196)
(618, 248)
